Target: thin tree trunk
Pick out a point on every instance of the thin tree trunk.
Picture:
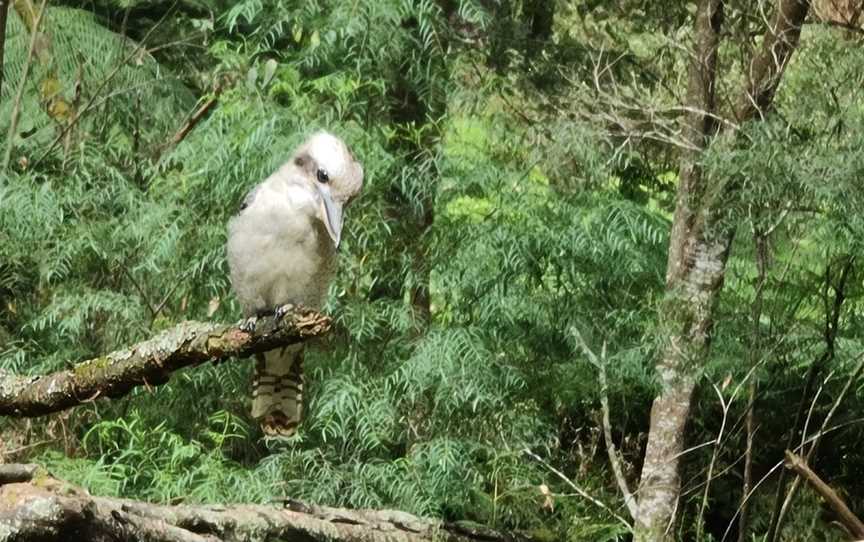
(766, 69)
(761, 247)
(698, 251)
(694, 273)
(747, 485)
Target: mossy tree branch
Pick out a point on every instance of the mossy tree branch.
(151, 362)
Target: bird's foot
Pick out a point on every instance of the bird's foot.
(248, 325)
(277, 424)
(282, 310)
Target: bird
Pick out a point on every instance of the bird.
(282, 251)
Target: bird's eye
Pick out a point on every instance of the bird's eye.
(322, 176)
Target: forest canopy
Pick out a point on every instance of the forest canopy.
(602, 275)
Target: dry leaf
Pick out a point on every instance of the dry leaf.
(213, 306)
(547, 500)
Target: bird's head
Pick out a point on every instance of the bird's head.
(337, 177)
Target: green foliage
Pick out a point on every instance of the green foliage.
(126, 89)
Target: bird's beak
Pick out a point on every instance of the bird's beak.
(332, 213)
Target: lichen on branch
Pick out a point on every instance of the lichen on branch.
(151, 362)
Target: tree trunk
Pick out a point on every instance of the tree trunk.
(760, 245)
(693, 278)
(699, 249)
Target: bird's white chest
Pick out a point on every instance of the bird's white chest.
(279, 251)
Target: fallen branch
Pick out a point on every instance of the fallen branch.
(151, 362)
(17, 472)
(42, 508)
(849, 520)
(809, 457)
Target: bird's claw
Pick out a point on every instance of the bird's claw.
(281, 311)
(248, 325)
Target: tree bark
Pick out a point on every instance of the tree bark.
(151, 362)
(34, 507)
(766, 69)
(699, 249)
(694, 274)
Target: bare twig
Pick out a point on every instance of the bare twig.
(584, 494)
(700, 521)
(822, 432)
(90, 103)
(833, 311)
(166, 297)
(811, 453)
(16, 106)
(739, 388)
(813, 404)
(76, 102)
(4, 454)
(845, 391)
(143, 294)
(793, 488)
(192, 122)
(614, 460)
(4, 11)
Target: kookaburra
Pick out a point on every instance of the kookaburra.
(282, 250)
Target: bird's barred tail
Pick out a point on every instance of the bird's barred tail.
(277, 390)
